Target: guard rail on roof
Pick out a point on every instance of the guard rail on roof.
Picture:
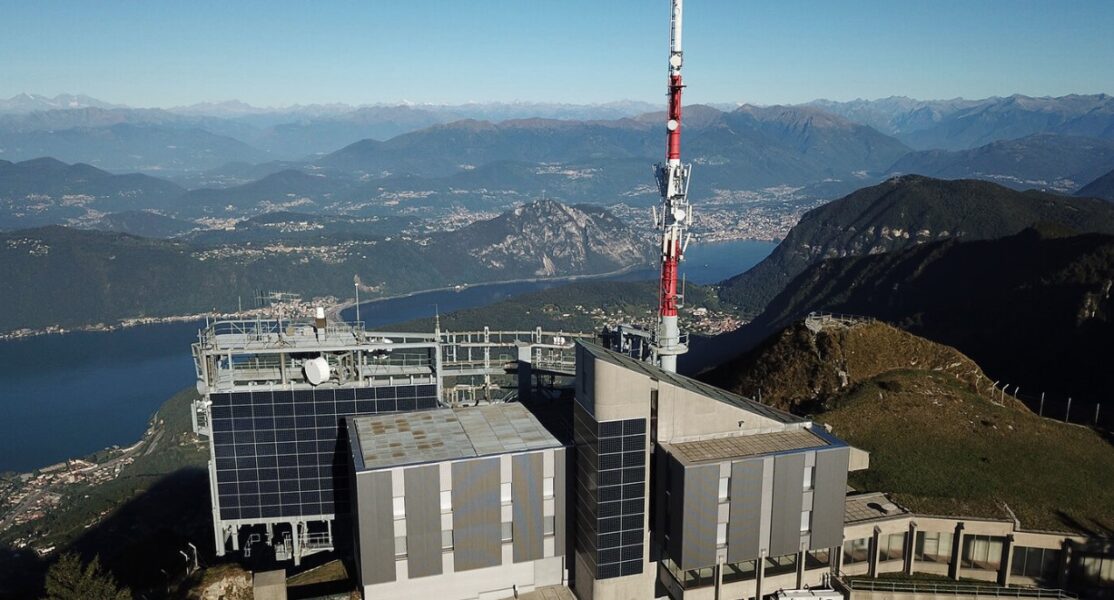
(954, 589)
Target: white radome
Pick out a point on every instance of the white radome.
(317, 370)
(671, 124)
(675, 60)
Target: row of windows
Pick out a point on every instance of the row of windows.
(744, 571)
(1037, 563)
(506, 535)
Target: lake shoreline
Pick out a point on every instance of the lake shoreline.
(332, 309)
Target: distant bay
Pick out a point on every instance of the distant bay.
(64, 396)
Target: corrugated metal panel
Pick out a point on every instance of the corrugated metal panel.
(423, 520)
(701, 500)
(744, 530)
(477, 530)
(785, 520)
(377, 527)
(526, 506)
(560, 501)
(828, 497)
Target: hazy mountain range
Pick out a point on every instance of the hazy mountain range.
(420, 160)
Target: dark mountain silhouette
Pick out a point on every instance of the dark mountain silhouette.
(1033, 309)
(904, 212)
(1103, 187)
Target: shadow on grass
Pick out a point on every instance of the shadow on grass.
(1091, 528)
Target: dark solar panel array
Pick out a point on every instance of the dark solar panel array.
(281, 453)
(611, 494)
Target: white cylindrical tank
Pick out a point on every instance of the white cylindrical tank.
(316, 370)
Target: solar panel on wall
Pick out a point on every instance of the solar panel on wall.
(281, 453)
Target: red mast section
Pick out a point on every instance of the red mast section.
(676, 213)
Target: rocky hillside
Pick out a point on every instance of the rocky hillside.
(814, 361)
(905, 212)
(1033, 309)
(942, 440)
(549, 239)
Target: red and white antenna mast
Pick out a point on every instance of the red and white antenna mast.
(676, 213)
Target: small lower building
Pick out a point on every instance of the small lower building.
(457, 503)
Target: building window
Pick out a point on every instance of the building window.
(933, 547)
(982, 552)
(505, 493)
(548, 525)
(723, 486)
(891, 547)
(1035, 563)
(780, 565)
(1096, 570)
(698, 578)
(806, 521)
(507, 530)
(446, 501)
(400, 546)
(818, 559)
(856, 551)
(721, 534)
(447, 539)
(399, 504)
(547, 487)
(810, 475)
(743, 571)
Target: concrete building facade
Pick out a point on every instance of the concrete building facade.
(457, 503)
(680, 484)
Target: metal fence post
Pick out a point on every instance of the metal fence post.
(1067, 413)
(1097, 406)
(1041, 411)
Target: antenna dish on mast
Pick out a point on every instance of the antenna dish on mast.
(316, 370)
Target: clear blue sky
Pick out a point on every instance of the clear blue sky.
(153, 53)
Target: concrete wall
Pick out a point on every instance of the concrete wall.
(470, 498)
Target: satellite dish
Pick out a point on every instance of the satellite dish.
(674, 60)
(316, 370)
(672, 124)
(679, 214)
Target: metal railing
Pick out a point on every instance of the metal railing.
(953, 589)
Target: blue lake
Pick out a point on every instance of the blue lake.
(63, 396)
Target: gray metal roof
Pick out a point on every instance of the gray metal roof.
(739, 446)
(396, 439)
(690, 384)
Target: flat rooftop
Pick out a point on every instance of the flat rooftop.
(741, 446)
(872, 506)
(690, 384)
(397, 439)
